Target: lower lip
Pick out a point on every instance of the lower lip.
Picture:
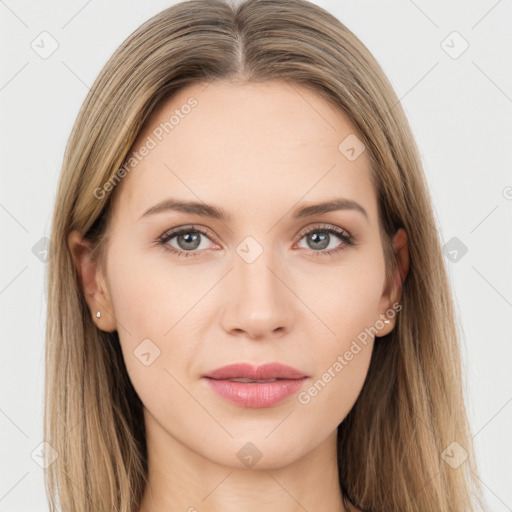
(253, 394)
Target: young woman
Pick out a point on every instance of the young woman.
(248, 307)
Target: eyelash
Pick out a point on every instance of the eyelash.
(347, 239)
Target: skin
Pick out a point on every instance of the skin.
(258, 151)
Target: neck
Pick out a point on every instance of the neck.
(180, 479)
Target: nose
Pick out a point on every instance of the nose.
(259, 302)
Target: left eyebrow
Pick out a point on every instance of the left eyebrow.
(216, 212)
(329, 206)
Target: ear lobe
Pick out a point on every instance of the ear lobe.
(93, 282)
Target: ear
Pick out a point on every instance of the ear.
(393, 292)
(93, 282)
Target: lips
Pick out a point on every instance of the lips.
(266, 372)
(255, 386)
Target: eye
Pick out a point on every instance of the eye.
(188, 240)
(320, 238)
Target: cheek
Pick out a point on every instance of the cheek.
(150, 296)
(347, 302)
(148, 316)
(154, 309)
(345, 297)
(342, 358)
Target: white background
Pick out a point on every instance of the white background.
(460, 110)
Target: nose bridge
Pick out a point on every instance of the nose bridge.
(259, 301)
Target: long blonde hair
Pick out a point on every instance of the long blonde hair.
(411, 409)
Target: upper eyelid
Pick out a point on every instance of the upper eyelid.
(172, 232)
(323, 226)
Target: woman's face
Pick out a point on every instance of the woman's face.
(252, 286)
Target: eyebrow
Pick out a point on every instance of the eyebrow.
(216, 212)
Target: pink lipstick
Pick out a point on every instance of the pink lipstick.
(255, 386)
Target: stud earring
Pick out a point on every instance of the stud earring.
(98, 315)
(385, 321)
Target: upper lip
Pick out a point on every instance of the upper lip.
(263, 372)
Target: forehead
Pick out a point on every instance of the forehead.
(246, 145)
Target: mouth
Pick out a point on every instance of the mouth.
(240, 379)
(255, 387)
(266, 372)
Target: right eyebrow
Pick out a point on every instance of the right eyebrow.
(193, 207)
